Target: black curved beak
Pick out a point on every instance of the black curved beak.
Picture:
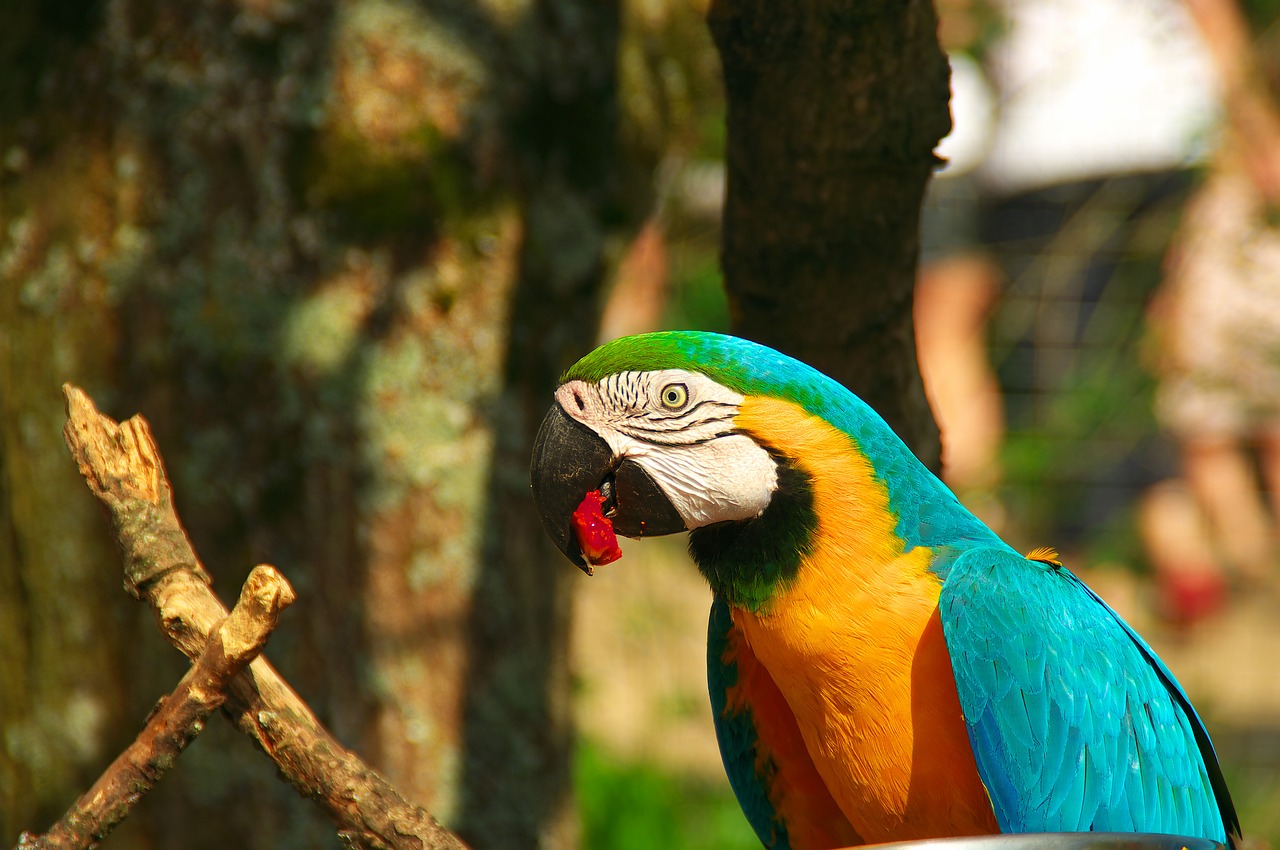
(569, 461)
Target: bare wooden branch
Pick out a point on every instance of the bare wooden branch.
(177, 720)
(122, 465)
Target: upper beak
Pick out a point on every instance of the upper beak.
(569, 461)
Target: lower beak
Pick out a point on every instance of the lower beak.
(569, 461)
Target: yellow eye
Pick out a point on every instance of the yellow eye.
(674, 396)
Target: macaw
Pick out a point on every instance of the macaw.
(881, 665)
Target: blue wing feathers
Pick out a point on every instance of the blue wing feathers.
(1004, 794)
(1035, 699)
(1226, 808)
(1075, 723)
(1065, 807)
(1022, 727)
(1055, 751)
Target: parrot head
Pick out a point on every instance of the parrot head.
(721, 437)
(648, 421)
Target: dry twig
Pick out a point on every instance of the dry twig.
(177, 720)
(122, 466)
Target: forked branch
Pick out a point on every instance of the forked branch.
(122, 466)
(177, 720)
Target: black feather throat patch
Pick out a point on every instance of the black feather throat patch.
(748, 561)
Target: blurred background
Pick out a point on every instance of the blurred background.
(1096, 312)
(333, 250)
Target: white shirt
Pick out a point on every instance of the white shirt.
(1088, 88)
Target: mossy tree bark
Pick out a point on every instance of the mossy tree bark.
(834, 108)
(337, 253)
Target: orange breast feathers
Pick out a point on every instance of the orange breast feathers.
(796, 790)
(855, 646)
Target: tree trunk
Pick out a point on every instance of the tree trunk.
(834, 108)
(337, 254)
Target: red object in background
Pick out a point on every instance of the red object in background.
(1189, 596)
(594, 530)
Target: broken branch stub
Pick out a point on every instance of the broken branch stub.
(121, 464)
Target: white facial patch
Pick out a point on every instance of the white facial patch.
(678, 427)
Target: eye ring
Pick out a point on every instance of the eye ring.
(674, 396)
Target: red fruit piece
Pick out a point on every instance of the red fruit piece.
(594, 531)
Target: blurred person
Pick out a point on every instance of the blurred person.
(1050, 98)
(1217, 321)
(1091, 89)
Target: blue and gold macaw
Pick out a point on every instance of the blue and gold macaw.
(882, 666)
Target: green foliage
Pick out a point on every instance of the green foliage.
(697, 298)
(1100, 416)
(1249, 763)
(637, 806)
(1068, 341)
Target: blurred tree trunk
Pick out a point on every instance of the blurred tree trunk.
(338, 254)
(834, 108)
